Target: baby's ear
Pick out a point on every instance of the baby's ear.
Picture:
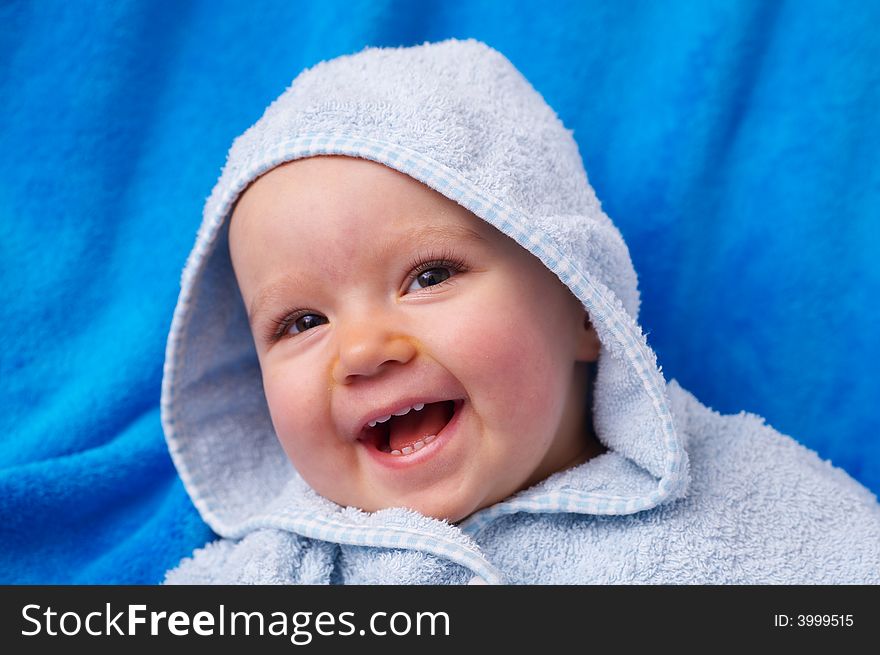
(588, 344)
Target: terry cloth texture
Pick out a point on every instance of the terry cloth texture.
(683, 495)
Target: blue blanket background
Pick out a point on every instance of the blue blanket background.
(736, 144)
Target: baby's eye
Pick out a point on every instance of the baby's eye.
(433, 271)
(431, 277)
(302, 323)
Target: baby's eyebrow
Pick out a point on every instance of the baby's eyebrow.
(429, 233)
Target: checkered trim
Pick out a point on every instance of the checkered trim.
(335, 529)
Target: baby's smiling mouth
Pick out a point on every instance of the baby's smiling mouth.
(404, 435)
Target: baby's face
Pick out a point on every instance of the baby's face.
(370, 293)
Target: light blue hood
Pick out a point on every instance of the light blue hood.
(460, 118)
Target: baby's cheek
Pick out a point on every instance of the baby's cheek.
(324, 459)
(284, 415)
(515, 368)
(293, 411)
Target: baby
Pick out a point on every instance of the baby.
(406, 351)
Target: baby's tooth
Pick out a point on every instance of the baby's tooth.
(372, 424)
(419, 407)
(383, 419)
(413, 447)
(403, 411)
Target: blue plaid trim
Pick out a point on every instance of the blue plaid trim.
(595, 296)
(338, 531)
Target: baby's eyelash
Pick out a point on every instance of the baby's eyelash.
(277, 327)
(445, 259)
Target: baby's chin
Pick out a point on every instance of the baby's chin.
(451, 499)
(444, 512)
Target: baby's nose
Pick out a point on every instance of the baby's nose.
(365, 349)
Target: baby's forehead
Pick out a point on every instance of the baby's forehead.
(338, 195)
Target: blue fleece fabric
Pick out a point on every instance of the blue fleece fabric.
(735, 144)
